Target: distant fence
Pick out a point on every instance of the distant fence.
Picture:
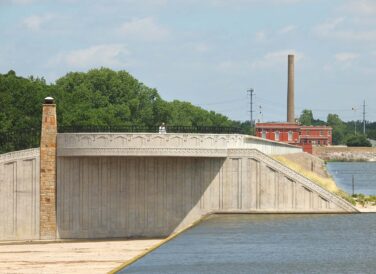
(19, 139)
(152, 129)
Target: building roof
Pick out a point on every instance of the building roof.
(285, 125)
(315, 127)
(278, 125)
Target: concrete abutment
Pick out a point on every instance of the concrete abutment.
(105, 185)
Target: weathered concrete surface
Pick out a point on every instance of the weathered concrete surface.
(170, 144)
(155, 196)
(19, 195)
(70, 257)
(345, 153)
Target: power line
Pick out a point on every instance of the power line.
(222, 102)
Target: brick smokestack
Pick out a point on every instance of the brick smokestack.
(290, 90)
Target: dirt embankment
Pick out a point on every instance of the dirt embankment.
(308, 162)
(335, 153)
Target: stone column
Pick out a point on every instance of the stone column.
(48, 170)
(290, 90)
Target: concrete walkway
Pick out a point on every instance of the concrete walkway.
(70, 257)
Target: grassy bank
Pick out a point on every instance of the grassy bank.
(347, 160)
(364, 200)
(326, 183)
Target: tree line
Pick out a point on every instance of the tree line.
(344, 133)
(106, 98)
(97, 98)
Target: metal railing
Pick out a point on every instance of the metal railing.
(19, 139)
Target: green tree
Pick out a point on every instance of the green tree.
(99, 97)
(358, 141)
(339, 128)
(306, 118)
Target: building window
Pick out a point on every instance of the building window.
(321, 133)
(263, 134)
(277, 135)
(289, 136)
(318, 142)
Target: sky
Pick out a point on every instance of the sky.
(207, 52)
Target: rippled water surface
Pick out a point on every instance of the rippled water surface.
(364, 176)
(269, 244)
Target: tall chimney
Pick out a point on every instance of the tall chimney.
(290, 90)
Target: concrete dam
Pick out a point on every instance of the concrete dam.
(103, 185)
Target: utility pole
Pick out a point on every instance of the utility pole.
(251, 93)
(354, 109)
(364, 117)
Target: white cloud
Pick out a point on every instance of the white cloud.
(22, 2)
(326, 28)
(144, 29)
(287, 29)
(274, 58)
(252, 2)
(35, 22)
(346, 56)
(268, 61)
(338, 29)
(360, 7)
(327, 67)
(107, 55)
(343, 61)
(201, 47)
(144, 2)
(260, 36)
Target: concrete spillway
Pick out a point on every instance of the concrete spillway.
(153, 185)
(130, 185)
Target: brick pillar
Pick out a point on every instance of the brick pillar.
(48, 171)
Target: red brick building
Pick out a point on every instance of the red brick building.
(295, 134)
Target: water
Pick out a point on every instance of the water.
(364, 175)
(269, 243)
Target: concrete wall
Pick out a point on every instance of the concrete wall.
(170, 144)
(154, 196)
(19, 195)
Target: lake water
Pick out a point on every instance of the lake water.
(269, 243)
(364, 176)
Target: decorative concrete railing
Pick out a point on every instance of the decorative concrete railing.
(151, 144)
(19, 155)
